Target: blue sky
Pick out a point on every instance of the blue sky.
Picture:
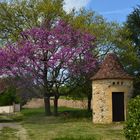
(112, 10)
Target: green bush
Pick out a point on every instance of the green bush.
(9, 97)
(132, 127)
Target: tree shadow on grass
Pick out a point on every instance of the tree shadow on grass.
(76, 114)
(37, 116)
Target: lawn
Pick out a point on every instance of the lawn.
(8, 134)
(71, 124)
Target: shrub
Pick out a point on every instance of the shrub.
(132, 127)
(9, 97)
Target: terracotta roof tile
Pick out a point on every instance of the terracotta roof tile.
(111, 68)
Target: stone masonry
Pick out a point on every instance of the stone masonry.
(102, 97)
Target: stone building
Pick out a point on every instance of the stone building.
(111, 89)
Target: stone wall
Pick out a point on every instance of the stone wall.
(37, 103)
(10, 109)
(102, 97)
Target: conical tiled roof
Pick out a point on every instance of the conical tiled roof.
(111, 68)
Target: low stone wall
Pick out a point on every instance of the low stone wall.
(34, 103)
(10, 109)
(37, 103)
(73, 103)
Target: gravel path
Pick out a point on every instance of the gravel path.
(21, 133)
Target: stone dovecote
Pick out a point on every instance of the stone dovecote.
(111, 88)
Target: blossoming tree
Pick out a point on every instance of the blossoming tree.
(49, 58)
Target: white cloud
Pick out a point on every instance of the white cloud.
(77, 4)
(117, 11)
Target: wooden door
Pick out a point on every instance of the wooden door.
(117, 106)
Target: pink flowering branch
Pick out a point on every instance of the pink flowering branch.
(49, 57)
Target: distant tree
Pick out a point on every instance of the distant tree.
(80, 90)
(133, 23)
(49, 58)
(131, 55)
(8, 97)
(97, 25)
(18, 15)
(80, 86)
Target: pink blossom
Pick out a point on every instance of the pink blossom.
(55, 54)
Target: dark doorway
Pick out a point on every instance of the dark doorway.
(118, 106)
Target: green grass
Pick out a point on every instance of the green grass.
(71, 124)
(8, 134)
(15, 117)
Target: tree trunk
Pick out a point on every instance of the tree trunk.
(47, 106)
(89, 102)
(56, 105)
